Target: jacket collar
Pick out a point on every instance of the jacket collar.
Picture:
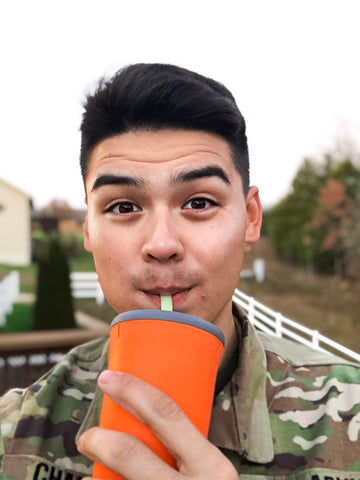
(240, 418)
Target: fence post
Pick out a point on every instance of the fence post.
(16, 283)
(315, 339)
(251, 311)
(99, 294)
(2, 306)
(259, 269)
(13, 289)
(7, 294)
(278, 325)
(9, 291)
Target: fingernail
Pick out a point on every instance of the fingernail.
(107, 376)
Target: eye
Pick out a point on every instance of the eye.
(199, 203)
(123, 208)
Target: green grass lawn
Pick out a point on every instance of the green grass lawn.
(28, 275)
(20, 320)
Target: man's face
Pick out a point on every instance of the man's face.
(167, 216)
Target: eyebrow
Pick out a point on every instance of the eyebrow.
(104, 180)
(181, 177)
(209, 171)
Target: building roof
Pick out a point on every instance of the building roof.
(16, 189)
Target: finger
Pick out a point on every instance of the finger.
(194, 454)
(124, 454)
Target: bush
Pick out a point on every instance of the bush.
(317, 222)
(53, 307)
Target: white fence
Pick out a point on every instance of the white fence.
(86, 285)
(9, 291)
(274, 323)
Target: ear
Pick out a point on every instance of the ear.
(254, 216)
(87, 243)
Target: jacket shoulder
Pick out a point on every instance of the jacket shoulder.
(63, 394)
(299, 355)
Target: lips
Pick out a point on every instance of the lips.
(166, 290)
(178, 295)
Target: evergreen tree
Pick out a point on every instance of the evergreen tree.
(287, 221)
(53, 307)
(317, 222)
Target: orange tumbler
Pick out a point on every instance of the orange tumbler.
(177, 353)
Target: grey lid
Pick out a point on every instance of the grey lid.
(177, 317)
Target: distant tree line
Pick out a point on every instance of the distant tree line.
(318, 222)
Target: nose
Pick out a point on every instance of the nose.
(162, 241)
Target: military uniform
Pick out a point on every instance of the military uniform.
(286, 412)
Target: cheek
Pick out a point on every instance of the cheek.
(113, 261)
(223, 249)
(112, 252)
(107, 240)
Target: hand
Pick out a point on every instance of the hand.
(196, 457)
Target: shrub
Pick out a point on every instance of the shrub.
(53, 307)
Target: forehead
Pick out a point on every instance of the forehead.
(164, 149)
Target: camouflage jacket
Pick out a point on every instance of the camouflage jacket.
(287, 412)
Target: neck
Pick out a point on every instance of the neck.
(231, 340)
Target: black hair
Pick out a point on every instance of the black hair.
(160, 96)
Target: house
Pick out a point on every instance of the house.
(15, 225)
(58, 217)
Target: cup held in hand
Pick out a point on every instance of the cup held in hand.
(177, 353)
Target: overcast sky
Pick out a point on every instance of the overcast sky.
(292, 65)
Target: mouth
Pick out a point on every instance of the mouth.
(178, 295)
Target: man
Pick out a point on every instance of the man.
(170, 212)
